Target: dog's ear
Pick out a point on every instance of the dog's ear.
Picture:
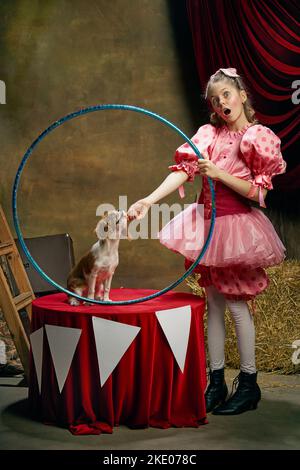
(128, 236)
(101, 229)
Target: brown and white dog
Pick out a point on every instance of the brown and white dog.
(93, 274)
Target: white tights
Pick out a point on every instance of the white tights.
(244, 327)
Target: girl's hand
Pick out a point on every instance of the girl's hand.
(138, 210)
(207, 168)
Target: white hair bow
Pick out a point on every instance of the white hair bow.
(230, 72)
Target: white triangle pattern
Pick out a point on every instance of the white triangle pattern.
(112, 341)
(36, 340)
(176, 323)
(62, 342)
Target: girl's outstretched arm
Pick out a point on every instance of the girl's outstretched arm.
(172, 182)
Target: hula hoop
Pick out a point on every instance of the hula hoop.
(26, 156)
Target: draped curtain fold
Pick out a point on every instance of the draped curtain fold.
(261, 38)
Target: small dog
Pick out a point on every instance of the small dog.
(95, 270)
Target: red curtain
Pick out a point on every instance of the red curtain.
(261, 39)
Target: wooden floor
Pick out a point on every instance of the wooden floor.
(274, 425)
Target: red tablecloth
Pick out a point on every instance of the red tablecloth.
(147, 387)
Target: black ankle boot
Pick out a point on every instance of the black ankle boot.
(245, 398)
(217, 390)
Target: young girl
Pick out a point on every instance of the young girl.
(241, 156)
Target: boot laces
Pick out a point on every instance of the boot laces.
(235, 384)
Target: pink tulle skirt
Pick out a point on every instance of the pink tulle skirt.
(245, 239)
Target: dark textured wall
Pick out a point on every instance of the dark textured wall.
(58, 56)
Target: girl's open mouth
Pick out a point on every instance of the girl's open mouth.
(227, 111)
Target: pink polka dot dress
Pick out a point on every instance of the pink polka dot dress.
(244, 241)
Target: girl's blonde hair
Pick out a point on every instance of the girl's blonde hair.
(235, 80)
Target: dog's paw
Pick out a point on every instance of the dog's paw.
(74, 302)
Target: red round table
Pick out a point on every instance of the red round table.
(147, 386)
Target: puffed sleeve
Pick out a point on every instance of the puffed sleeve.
(260, 149)
(185, 157)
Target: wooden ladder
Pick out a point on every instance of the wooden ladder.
(14, 277)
